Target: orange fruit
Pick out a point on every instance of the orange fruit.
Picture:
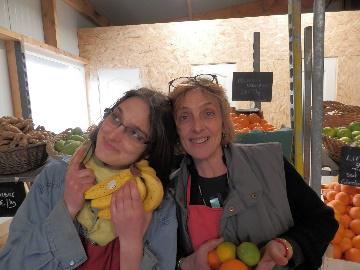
(233, 264)
(345, 244)
(332, 185)
(355, 226)
(348, 233)
(241, 123)
(348, 189)
(338, 206)
(338, 235)
(343, 197)
(356, 200)
(356, 241)
(226, 251)
(242, 116)
(330, 195)
(336, 250)
(345, 220)
(337, 187)
(213, 260)
(254, 118)
(354, 212)
(353, 254)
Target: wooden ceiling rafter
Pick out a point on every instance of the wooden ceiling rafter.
(253, 8)
(49, 20)
(85, 8)
(8, 35)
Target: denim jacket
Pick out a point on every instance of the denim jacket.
(43, 235)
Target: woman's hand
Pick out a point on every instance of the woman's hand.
(198, 260)
(131, 222)
(78, 179)
(275, 253)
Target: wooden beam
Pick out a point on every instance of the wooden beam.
(37, 45)
(49, 20)
(14, 78)
(85, 8)
(253, 8)
(189, 9)
(6, 35)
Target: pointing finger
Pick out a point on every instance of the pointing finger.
(76, 159)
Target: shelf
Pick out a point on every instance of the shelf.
(28, 176)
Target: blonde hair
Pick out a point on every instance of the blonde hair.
(214, 90)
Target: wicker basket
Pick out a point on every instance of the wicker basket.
(337, 114)
(22, 159)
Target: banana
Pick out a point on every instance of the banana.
(104, 202)
(155, 191)
(148, 184)
(108, 186)
(104, 213)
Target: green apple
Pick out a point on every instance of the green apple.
(346, 140)
(344, 132)
(329, 131)
(248, 253)
(355, 126)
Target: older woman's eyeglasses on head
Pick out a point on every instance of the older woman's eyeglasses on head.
(114, 119)
(201, 79)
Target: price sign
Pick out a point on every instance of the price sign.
(349, 171)
(11, 197)
(252, 86)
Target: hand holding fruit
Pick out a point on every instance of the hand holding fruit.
(198, 260)
(78, 179)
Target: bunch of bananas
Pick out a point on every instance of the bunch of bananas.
(148, 184)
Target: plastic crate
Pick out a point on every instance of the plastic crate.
(283, 136)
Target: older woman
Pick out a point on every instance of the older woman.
(48, 232)
(239, 192)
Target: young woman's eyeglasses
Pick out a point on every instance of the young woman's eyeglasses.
(114, 119)
(201, 79)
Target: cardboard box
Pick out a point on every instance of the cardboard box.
(283, 136)
(335, 264)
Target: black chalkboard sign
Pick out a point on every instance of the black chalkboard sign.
(252, 86)
(349, 170)
(11, 197)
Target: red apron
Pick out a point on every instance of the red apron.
(101, 257)
(203, 222)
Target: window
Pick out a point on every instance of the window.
(57, 93)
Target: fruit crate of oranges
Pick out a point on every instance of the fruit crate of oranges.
(252, 128)
(345, 200)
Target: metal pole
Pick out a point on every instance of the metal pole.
(256, 59)
(317, 95)
(294, 8)
(307, 100)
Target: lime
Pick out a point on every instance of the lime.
(249, 253)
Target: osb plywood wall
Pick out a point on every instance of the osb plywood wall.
(166, 51)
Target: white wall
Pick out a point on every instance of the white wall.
(24, 17)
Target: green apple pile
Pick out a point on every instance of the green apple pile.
(348, 134)
(69, 145)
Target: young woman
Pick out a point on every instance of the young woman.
(45, 232)
(239, 192)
